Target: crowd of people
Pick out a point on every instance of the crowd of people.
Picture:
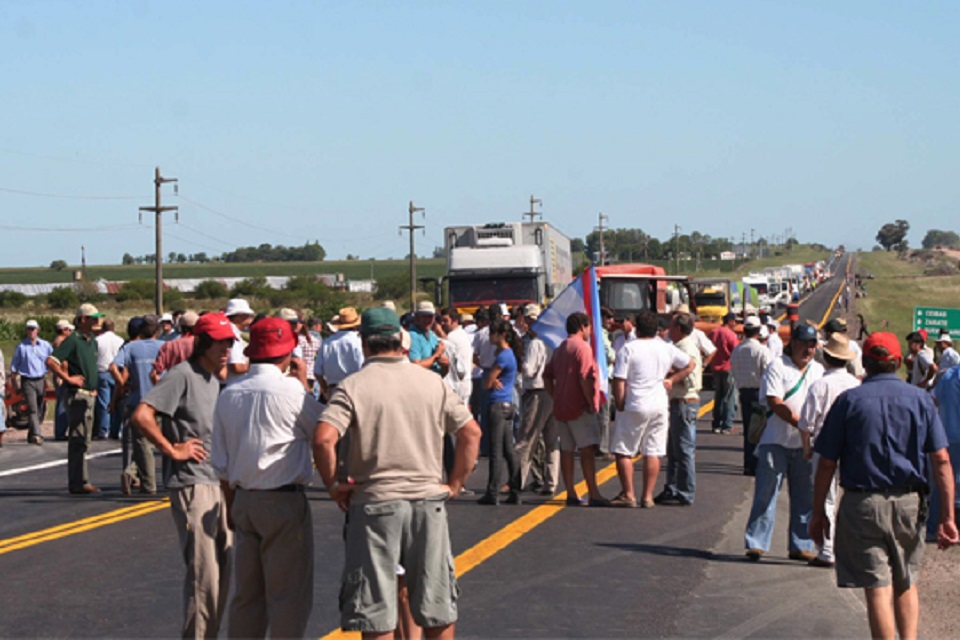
(394, 413)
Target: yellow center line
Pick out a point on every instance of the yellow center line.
(501, 539)
(78, 526)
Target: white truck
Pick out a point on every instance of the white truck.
(509, 262)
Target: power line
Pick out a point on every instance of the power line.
(21, 192)
(118, 227)
(207, 235)
(237, 220)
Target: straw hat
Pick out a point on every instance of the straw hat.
(838, 346)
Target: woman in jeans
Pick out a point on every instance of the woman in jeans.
(501, 410)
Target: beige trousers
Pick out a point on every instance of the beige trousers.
(273, 565)
(200, 515)
(536, 422)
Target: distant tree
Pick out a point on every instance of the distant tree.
(127, 259)
(936, 238)
(201, 257)
(351, 257)
(63, 298)
(210, 290)
(439, 252)
(58, 265)
(577, 245)
(181, 258)
(893, 235)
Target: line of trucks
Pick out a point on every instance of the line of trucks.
(523, 262)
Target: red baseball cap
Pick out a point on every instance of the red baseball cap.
(885, 340)
(270, 338)
(215, 325)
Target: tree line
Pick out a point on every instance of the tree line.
(309, 252)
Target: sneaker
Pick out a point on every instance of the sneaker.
(624, 501)
(547, 492)
(803, 556)
(489, 499)
(820, 562)
(666, 498)
(513, 498)
(716, 430)
(598, 502)
(754, 554)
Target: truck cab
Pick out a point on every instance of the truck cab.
(631, 288)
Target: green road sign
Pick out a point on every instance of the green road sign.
(935, 318)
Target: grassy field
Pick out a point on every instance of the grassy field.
(898, 287)
(355, 269)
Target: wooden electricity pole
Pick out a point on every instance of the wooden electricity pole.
(158, 210)
(533, 213)
(413, 255)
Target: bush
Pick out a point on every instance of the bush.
(63, 298)
(210, 290)
(12, 299)
(136, 290)
(251, 288)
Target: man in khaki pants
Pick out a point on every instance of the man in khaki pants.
(262, 431)
(184, 399)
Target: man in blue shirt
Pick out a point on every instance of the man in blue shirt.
(947, 395)
(881, 434)
(426, 349)
(135, 360)
(29, 370)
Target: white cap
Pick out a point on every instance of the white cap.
(33, 324)
(426, 308)
(288, 314)
(238, 306)
(166, 318)
(772, 322)
(389, 304)
(752, 322)
(944, 337)
(764, 333)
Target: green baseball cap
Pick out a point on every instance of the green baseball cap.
(379, 321)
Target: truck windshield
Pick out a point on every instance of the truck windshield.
(625, 295)
(489, 290)
(710, 299)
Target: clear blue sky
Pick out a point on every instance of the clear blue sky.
(321, 120)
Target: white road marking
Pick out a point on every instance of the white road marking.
(56, 463)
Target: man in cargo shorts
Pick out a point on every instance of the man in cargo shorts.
(571, 377)
(396, 415)
(881, 434)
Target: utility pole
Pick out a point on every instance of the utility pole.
(413, 255)
(600, 227)
(83, 261)
(752, 245)
(533, 213)
(676, 245)
(158, 210)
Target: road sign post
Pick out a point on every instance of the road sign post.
(935, 318)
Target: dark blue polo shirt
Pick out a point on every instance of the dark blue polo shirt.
(880, 432)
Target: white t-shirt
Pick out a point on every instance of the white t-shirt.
(779, 378)
(703, 343)
(644, 364)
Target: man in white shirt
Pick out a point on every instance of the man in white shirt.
(774, 341)
(450, 324)
(747, 363)
(836, 354)
(681, 482)
(786, 383)
(537, 426)
(641, 379)
(948, 355)
(108, 345)
(341, 354)
(923, 368)
(240, 314)
(262, 435)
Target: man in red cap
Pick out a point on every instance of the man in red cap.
(184, 400)
(262, 436)
(883, 434)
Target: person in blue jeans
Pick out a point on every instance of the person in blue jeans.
(785, 385)
(501, 410)
(947, 395)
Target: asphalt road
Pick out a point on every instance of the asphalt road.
(109, 566)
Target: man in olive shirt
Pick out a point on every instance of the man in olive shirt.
(396, 414)
(74, 361)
